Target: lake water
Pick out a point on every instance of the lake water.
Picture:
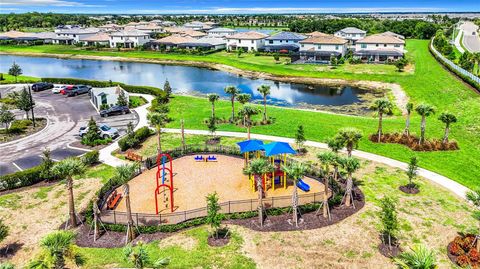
(184, 80)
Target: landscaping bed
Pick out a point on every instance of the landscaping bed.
(462, 251)
(413, 142)
(22, 128)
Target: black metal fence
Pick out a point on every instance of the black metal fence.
(240, 206)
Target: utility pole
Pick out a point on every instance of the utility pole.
(31, 103)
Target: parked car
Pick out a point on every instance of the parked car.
(78, 89)
(105, 131)
(66, 89)
(41, 86)
(59, 88)
(115, 110)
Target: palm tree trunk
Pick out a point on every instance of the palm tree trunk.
(264, 108)
(295, 204)
(248, 129)
(213, 110)
(28, 115)
(325, 198)
(422, 130)
(130, 231)
(59, 261)
(348, 192)
(260, 199)
(380, 115)
(445, 137)
(71, 203)
(159, 134)
(407, 125)
(233, 108)
(349, 150)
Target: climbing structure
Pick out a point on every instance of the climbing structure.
(165, 173)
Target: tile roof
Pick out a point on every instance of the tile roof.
(324, 39)
(176, 39)
(316, 33)
(248, 35)
(286, 36)
(352, 30)
(132, 32)
(228, 30)
(381, 38)
(96, 38)
(193, 33)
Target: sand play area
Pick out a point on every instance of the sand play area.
(193, 181)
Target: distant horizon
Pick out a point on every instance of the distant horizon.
(239, 7)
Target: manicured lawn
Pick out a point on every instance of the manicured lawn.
(198, 255)
(8, 79)
(136, 101)
(428, 83)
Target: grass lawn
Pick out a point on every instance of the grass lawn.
(429, 82)
(8, 79)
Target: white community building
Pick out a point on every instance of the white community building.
(106, 97)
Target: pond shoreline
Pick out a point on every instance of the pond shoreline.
(399, 95)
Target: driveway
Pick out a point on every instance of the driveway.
(65, 117)
(471, 40)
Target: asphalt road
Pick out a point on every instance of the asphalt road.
(65, 117)
(471, 40)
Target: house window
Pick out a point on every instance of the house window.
(397, 45)
(239, 41)
(385, 45)
(363, 46)
(270, 41)
(303, 45)
(336, 47)
(253, 41)
(104, 99)
(319, 47)
(376, 45)
(281, 41)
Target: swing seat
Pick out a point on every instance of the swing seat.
(199, 158)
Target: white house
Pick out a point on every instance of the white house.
(106, 96)
(248, 41)
(380, 48)
(73, 35)
(321, 47)
(221, 32)
(283, 41)
(98, 38)
(351, 34)
(128, 38)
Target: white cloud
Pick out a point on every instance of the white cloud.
(57, 3)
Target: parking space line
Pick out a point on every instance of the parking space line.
(18, 167)
(55, 160)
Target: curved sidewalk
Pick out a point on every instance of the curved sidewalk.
(443, 181)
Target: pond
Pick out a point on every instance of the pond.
(189, 80)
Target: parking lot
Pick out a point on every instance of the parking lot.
(65, 117)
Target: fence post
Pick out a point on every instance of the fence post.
(228, 207)
(137, 218)
(160, 217)
(114, 217)
(185, 214)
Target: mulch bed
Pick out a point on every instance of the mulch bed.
(409, 190)
(218, 242)
(388, 252)
(78, 144)
(462, 251)
(40, 123)
(413, 142)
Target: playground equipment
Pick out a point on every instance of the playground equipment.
(162, 172)
(199, 158)
(302, 185)
(248, 146)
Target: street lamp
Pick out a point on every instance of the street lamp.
(31, 103)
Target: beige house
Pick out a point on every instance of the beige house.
(380, 47)
(320, 47)
(352, 34)
(171, 41)
(248, 41)
(99, 38)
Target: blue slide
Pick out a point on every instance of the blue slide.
(303, 186)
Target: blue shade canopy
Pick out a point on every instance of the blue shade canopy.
(250, 145)
(276, 148)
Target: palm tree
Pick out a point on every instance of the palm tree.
(264, 90)
(424, 110)
(244, 98)
(67, 169)
(122, 175)
(327, 159)
(350, 164)
(158, 120)
(212, 98)
(447, 118)
(474, 197)
(382, 106)
(58, 247)
(420, 257)
(257, 168)
(233, 91)
(349, 137)
(335, 144)
(295, 172)
(476, 58)
(247, 112)
(409, 108)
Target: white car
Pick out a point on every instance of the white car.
(58, 88)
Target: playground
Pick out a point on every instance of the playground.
(196, 176)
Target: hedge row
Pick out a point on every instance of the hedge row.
(96, 83)
(20, 179)
(460, 75)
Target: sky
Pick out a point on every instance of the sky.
(236, 6)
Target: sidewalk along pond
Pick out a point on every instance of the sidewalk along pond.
(197, 81)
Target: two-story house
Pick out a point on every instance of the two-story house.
(321, 47)
(352, 34)
(73, 35)
(248, 41)
(128, 38)
(283, 42)
(380, 48)
(221, 32)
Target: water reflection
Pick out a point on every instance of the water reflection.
(183, 79)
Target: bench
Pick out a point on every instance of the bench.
(130, 155)
(113, 200)
(199, 158)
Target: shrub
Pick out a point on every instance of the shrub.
(143, 133)
(135, 139)
(90, 158)
(19, 126)
(21, 179)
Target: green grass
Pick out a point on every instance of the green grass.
(200, 256)
(429, 83)
(8, 79)
(136, 101)
(102, 171)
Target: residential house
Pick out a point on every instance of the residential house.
(102, 39)
(221, 32)
(170, 42)
(248, 41)
(352, 34)
(150, 29)
(380, 48)
(106, 97)
(73, 35)
(283, 42)
(320, 48)
(128, 38)
(193, 33)
(45, 37)
(394, 35)
(110, 27)
(205, 43)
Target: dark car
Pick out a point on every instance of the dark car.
(77, 89)
(115, 110)
(41, 86)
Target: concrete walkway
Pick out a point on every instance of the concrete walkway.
(458, 39)
(445, 182)
(142, 111)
